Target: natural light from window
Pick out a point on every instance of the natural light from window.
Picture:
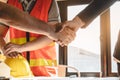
(115, 27)
(84, 51)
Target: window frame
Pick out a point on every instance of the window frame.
(104, 42)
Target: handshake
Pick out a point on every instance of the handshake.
(63, 34)
(66, 32)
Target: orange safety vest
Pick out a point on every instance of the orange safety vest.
(41, 58)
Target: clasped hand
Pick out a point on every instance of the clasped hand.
(65, 33)
(12, 50)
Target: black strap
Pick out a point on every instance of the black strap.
(27, 7)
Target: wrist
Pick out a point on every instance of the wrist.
(22, 48)
(79, 23)
(51, 33)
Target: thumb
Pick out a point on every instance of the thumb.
(64, 25)
(58, 27)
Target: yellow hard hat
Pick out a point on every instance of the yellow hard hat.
(19, 67)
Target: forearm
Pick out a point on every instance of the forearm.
(11, 16)
(36, 44)
(94, 9)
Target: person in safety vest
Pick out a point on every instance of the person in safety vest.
(37, 48)
(12, 16)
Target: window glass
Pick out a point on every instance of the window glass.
(115, 27)
(84, 51)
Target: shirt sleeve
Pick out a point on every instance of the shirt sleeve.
(95, 8)
(54, 12)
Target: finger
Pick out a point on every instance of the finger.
(8, 51)
(19, 53)
(59, 42)
(67, 41)
(8, 45)
(71, 35)
(10, 55)
(64, 25)
(16, 54)
(13, 55)
(62, 45)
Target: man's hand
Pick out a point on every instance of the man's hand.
(63, 36)
(66, 32)
(12, 50)
(74, 24)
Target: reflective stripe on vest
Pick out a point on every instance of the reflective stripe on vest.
(42, 57)
(42, 62)
(23, 40)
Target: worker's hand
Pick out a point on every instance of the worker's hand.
(12, 50)
(66, 32)
(74, 24)
(64, 36)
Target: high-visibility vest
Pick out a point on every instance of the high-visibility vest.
(43, 57)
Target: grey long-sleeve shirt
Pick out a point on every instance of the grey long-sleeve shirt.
(95, 8)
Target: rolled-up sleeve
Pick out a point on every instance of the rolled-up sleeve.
(54, 12)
